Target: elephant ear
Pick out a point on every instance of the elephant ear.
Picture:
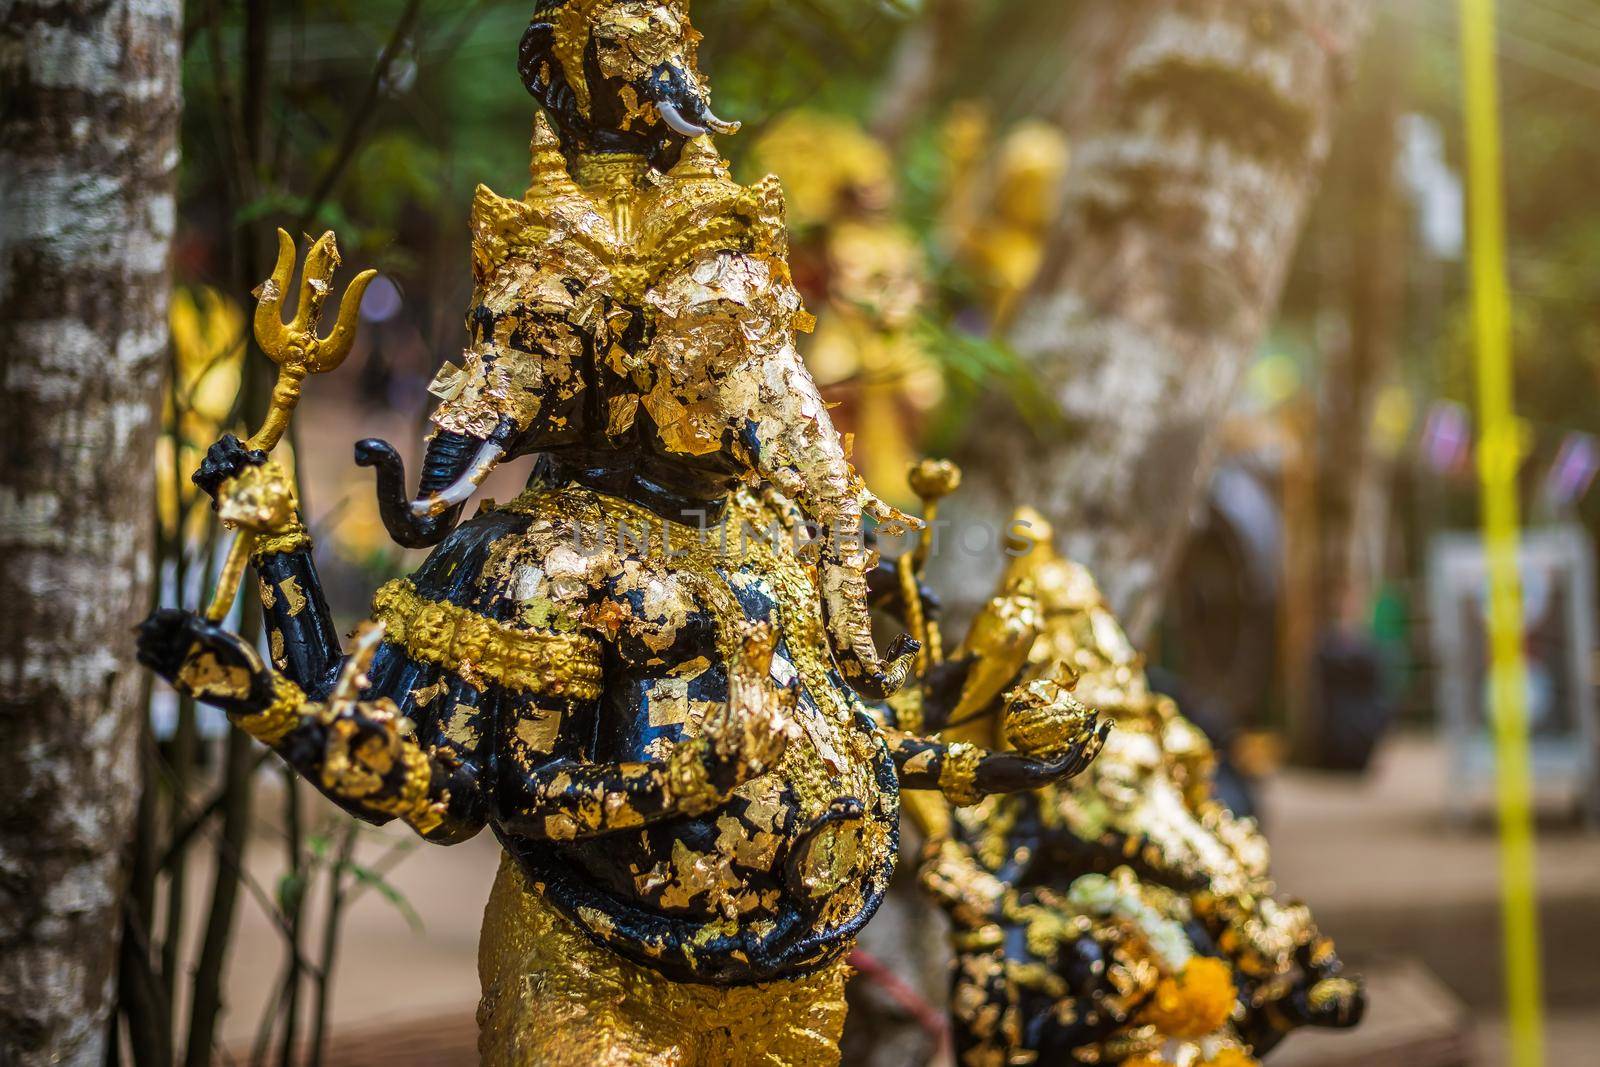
(544, 73)
(522, 373)
(523, 369)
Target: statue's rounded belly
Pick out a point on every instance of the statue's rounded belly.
(678, 898)
(704, 868)
(753, 859)
(740, 893)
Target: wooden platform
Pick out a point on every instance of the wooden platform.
(440, 1041)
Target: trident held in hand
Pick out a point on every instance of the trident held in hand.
(264, 497)
(294, 346)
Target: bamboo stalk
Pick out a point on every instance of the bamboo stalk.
(296, 860)
(207, 984)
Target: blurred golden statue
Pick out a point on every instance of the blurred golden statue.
(1125, 916)
(867, 275)
(1000, 200)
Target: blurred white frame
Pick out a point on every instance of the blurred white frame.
(1558, 596)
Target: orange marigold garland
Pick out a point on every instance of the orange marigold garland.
(1197, 1002)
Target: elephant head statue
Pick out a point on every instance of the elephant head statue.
(619, 75)
(688, 372)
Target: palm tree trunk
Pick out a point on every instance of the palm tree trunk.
(89, 101)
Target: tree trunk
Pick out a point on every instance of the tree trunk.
(89, 100)
(1198, 129)
(1374, 232)
(1366, 232)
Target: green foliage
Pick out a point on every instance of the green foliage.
(973, 363)
(767, 56)
(374, 879)
(452, 113)
(291, 891)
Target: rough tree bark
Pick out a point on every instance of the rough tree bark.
(89, 98)
(1341, 563)
(1198, 128)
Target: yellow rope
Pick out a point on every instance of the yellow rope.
(1498, 456)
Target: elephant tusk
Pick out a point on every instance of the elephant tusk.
(721, 125)
(459, 491)
(675, 120)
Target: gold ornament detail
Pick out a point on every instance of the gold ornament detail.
(624, 219)
(1042, 718)
(688, 779)
(547, 165)
(958, 774)
(295, 345)
(274, 722)
(529, 661)
(571, 42)
(261, 499)
(412, 805)
(295, 539)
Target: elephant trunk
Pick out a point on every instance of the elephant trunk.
(680, 100)
(845, 616)
(832, 497)
(453, 466)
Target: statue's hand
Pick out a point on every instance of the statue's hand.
(248, 490)
(224, 462)
(1323, 995)
(204, 660)
(1013, 772)
(1336, 1002)
(748, 736)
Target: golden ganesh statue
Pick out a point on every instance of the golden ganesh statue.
(1127, 916)
(653, 673)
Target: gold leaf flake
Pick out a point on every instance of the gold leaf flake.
(428, 694)
(293, 596)
(623, 409)
(538, 729)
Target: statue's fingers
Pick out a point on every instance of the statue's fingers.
(756, 647)
(892, 519)
(789, 698)
(1100, 736)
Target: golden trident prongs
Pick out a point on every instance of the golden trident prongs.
(294, 346)
(267, 500)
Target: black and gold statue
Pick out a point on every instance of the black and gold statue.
(1126, 917)
(647, 673)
